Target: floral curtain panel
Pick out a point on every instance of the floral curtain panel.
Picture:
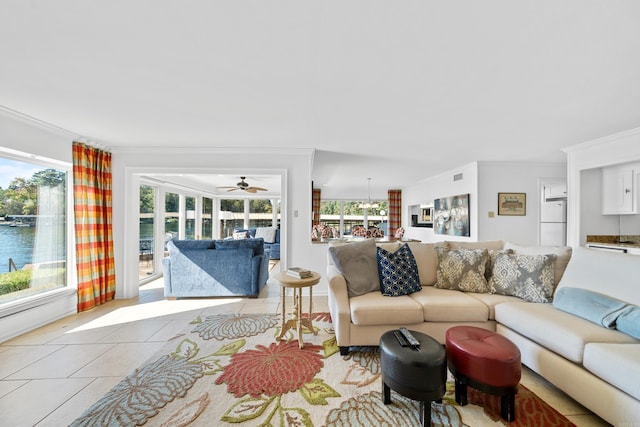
(93, 226)
(395, 210)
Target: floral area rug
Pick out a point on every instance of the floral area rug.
(229, 370)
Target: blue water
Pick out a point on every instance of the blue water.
(16, 243)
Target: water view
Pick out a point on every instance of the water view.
(16, 243)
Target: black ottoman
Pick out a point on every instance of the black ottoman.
(419, 374)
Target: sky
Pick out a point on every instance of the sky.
(10, 169)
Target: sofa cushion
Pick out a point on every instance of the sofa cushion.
(398, 272)
(426, 260)
(560, 332)
(593, 306)
(267, 233)
(491, 300)
(461, 269)
(489, 245)
(357, 262)
(445, 305)
(190, 244)
(529, 277)
(617, 364)
(618, 280)
(563, 254)
(256, 244)
(375, 309)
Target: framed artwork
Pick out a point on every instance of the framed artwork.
(514, 204)
(451, 215)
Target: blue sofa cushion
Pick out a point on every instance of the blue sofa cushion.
(194, 244)
(256, 244)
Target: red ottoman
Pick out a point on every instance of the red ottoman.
(486, 361)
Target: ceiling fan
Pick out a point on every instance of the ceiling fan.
(244, 186)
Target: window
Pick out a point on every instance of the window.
(260, 213)
(344, 215)
(234, 216)
(207, 218)
(33, 219)
(171, 216)
(147, 212)
(190, 218)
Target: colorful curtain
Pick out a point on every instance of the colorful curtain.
(315, 206)
(93, 226)
(395, 210)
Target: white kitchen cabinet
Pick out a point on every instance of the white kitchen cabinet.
(618, 192)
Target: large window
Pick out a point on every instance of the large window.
(171, 216)
(260, 213)
(147, 213)
(232, 215)
(207, 218)
(33, 220)
(345, 214)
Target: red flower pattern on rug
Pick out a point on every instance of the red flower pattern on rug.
(272, 370)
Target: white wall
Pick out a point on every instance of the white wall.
(510, 177)
(483, 181)
(443, 185)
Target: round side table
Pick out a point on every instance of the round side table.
(296, 321)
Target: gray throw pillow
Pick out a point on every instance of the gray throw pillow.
(529, 277)
(462, 269)
(358, 264)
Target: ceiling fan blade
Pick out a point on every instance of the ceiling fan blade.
(250, 190)
(233, 189)
(258, 189)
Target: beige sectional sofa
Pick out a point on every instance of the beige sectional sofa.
(598, 366)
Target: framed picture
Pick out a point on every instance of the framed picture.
(451, 215)
(512, 204)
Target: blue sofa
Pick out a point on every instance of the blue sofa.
(273, 247)
(215, 268)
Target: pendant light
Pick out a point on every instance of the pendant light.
(368, 204)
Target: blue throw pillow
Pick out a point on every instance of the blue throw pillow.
(398, 272)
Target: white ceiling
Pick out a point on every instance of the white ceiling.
(393, 90)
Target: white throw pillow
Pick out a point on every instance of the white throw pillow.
(267, 233)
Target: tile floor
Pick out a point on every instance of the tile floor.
(49, 376)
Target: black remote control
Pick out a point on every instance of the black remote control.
(413, 342)
(401, 339)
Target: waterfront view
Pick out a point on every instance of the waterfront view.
(16, 243)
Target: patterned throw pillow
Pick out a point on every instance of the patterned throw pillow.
(462, 269)
(529, 277)
(239, 235)
(398, 272)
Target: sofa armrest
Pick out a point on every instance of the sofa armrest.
(339, 306)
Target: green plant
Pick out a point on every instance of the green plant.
(21, 279)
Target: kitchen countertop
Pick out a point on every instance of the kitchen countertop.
(632, 241)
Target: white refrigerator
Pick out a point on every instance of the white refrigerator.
(553, 222)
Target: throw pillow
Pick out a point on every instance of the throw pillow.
(461, 269)
(529, 277)
(267, 233)
(357, 263)
(562, 252)
(239, 235)
(398, 272)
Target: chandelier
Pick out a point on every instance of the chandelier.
(368, 204)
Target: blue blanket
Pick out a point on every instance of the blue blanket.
(595, 307)
(629, 321)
